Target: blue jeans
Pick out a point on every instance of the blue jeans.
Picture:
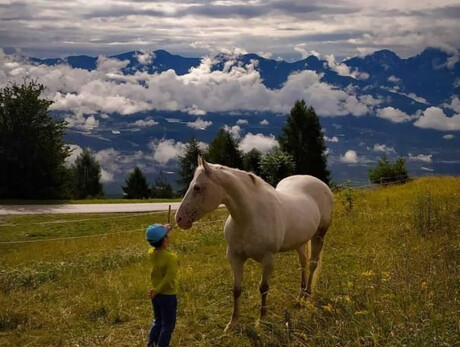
(164, 309)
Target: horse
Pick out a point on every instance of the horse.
(262, 221)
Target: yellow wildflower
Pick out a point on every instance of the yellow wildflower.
(328, 307)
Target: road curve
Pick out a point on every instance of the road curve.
(87, 208)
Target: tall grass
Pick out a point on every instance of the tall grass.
(389, 277)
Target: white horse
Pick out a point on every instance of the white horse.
(262, 221)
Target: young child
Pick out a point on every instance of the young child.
(164, 285)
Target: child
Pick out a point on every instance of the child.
(165, 283)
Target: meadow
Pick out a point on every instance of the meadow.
(389, 276)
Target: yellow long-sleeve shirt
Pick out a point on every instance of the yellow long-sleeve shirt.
(164, 271)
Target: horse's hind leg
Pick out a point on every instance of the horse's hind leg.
(316, 247)
(303, 256)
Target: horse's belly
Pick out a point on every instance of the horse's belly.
(300, 232)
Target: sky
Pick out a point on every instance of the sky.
(286, 29)
(277, 29)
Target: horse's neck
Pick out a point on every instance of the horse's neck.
(242, 196)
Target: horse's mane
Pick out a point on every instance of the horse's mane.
(254, 179)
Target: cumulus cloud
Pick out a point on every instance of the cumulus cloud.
(393, 114)
(383, 148)
(435, 118)
(424, 158)
(106, 90)
(145, 57)
(199, 124)
(234, 130)
(258, 141)
(394, 79)
(264, 122)
(166, 150)
(350, 157)
(242, 122)
(75, 152)
(344, 70)
(145, 123)
(448, 137)
(331, 139)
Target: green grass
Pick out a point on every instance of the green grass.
(389, 277)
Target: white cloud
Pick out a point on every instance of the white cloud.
(394, 79)
(344, 70)
(166, 150)
(145, 57)
(434, 118)
(331, 139)
(75, 152)
(79, 121)
(264, 122)
(242, 122)
(383, 148)
(199, 124)
(425, 158)
(234, 130)
(144, 123)
(350, 157)
(455, 105)
(393, 114)
(448, 137)
(258, 141)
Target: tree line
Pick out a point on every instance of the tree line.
(33, 154)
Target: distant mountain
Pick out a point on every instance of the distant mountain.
(411, 85)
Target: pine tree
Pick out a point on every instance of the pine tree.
(303, 138)
(224, 150)
(251, 161)
(276, 165)
(87, 174)
(136, 185)
(162, 189)
(32, 151)
(187, 164)
(387, 172)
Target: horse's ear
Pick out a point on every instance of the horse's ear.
(204, 164)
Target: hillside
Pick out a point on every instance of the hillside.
(389, 276)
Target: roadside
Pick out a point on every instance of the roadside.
(86, 208)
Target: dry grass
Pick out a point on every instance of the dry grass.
(389, 277)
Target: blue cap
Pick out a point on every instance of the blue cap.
(155, 233)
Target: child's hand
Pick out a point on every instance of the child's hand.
(150, 294)
(167, 226)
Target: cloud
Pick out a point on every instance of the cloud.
(234, 130)
(393, 114)
(383, 148)
(331, 139)
(258, 141)
(166, 150)
(344, 70)
(350, 157)
(455, 104)
(145, 57)
(264, 122)
(448, 137)
(435, 118)
(199, 124)
(148, 122)
(424, 158)
(106, 90)
(74, 154)
(242, 122)
(394, 79)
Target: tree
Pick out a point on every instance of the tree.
(136, 185)
(386, 172)
(87, 174)
(187, 164)
(162, 189)
(224, 150)
(251, 161)
(276, 165)
(32, 151)
(303, 138)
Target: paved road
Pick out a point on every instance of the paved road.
(87, 208)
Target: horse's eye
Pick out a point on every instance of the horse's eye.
(196, 189)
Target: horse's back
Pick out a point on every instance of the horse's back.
(314, 188)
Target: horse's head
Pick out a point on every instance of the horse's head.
(203, 195)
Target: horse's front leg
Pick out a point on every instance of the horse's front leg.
(237, 264)
(267, 270)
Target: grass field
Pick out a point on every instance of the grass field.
(389, 276)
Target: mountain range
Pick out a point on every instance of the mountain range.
(412, 110)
